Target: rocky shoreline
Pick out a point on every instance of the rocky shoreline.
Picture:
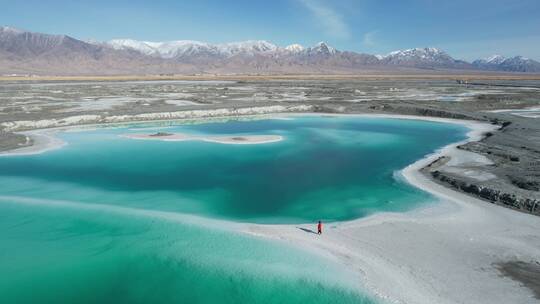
(498, 197)
(515, 167)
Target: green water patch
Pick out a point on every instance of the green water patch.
(108, 219)
(330, 168)
(72, 253)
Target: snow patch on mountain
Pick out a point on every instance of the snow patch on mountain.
(495, 59)
(322, 48)
(295, 48)
(512, 64)
(419, 53)
(12, 30)
(180, 48)
(250, 47)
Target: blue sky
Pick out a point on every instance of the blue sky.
(467, 29)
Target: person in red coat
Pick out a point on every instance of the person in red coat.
(319, 228)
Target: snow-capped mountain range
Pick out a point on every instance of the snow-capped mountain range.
(512, 64)
(36, 53)
(418, 55)
(184, 48)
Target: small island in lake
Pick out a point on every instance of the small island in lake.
(221, 139)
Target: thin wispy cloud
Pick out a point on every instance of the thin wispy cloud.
(331, 21)
(369, 39)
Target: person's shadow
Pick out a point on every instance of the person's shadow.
(307, 230)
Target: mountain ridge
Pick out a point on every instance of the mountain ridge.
(37, 53)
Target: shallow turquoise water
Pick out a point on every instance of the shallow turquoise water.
(78, 224)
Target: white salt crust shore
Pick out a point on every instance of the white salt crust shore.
(75, 120)
(441, 253)
(43, 140)
(43, 132)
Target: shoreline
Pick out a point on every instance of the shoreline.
(186, 115)
(440, 253)
(44, 138)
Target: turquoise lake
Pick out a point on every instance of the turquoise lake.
(102, 220)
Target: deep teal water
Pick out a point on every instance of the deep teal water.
(77, 224)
